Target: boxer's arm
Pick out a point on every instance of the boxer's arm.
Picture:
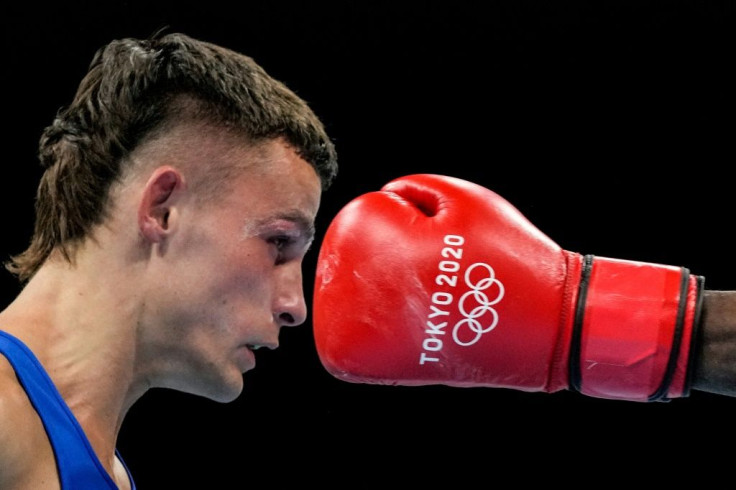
(715, 364)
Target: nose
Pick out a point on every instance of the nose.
(290, 307)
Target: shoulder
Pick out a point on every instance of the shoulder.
(25, 450)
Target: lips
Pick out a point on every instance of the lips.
(247, 357)
(269, 346)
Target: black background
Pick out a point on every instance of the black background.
(609, 124)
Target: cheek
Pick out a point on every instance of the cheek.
(244, 277)
(215, 275)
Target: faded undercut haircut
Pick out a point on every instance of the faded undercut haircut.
(133, 88)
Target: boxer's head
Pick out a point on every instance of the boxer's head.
(210, 272)
(134, 91)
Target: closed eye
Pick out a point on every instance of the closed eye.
(289, 237)
(287, 248)
(282, 241)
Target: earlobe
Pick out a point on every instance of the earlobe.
(156, 209)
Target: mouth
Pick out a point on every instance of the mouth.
(248, 352)
(255, 347)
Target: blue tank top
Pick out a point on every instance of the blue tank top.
(78, 465)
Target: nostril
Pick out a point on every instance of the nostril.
(287, 319)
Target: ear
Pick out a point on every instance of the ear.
(156, 212)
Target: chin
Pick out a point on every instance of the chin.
(229, 393)
(226, 398)
(222, 390)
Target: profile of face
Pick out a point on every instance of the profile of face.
(224, 274)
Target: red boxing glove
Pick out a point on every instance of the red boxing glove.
(436, 280)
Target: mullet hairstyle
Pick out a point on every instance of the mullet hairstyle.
(133, 88)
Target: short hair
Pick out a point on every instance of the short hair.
(134, 88)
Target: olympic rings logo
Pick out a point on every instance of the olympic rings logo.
(477, 307)
(482, 292)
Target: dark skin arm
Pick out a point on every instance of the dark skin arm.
(715, 364)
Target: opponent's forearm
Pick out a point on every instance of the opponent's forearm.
(715, 364)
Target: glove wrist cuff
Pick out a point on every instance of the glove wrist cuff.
(633, 330)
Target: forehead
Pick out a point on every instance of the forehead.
(272, 182)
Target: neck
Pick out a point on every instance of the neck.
(83, 332)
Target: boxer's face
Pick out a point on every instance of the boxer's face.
(231, 276)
